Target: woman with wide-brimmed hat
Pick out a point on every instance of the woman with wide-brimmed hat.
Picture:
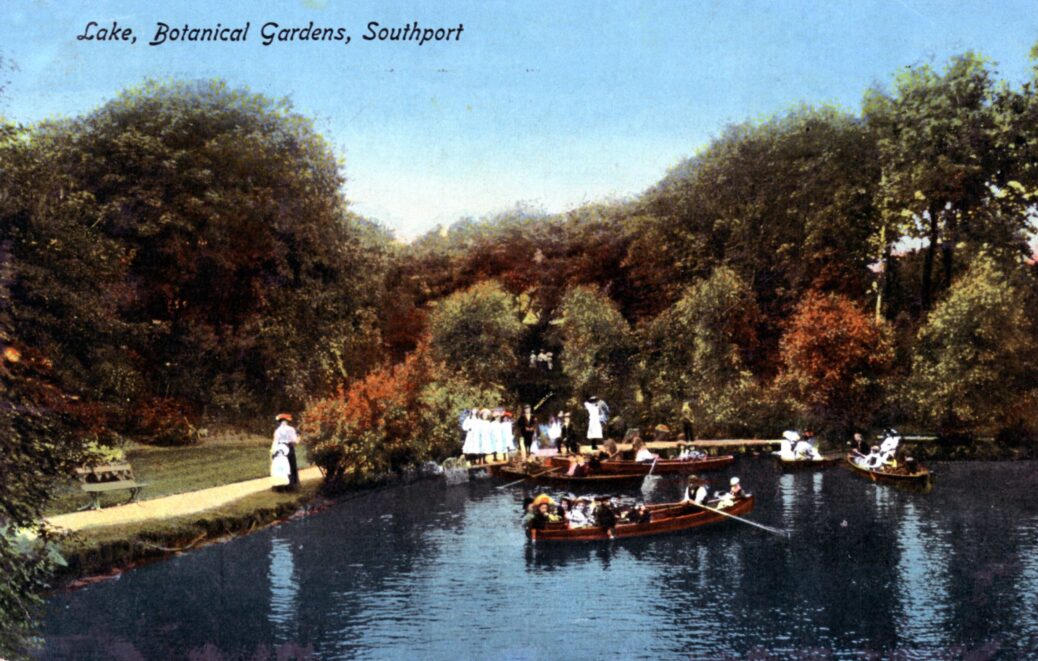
(284, 446)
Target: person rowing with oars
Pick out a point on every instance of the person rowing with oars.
(695, 490)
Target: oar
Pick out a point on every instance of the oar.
(646, 482)
(774, 531)
(526, 477)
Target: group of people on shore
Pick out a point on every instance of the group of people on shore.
(543, 359)
(488, 432)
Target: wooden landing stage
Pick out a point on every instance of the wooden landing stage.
(713, 446)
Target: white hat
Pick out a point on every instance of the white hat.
(734, 481)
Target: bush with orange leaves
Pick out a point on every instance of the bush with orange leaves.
(834, 360)
(397, 416)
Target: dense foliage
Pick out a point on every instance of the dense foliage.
(834, 359)
(697, 351)
(976, 360)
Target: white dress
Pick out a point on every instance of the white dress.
(486, 437)
(506, 426)
(279, 468)
(594, 422)
(471, 436)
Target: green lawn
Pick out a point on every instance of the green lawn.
(222, 459)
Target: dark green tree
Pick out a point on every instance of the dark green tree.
(937, 136)
(974, 370)
(476, 332)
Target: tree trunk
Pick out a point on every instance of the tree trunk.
(928, 257)
(947, 249)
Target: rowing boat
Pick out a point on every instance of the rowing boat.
(666, 518)
(662, 466)
(802, 464)
(920, 478)
(558, 477)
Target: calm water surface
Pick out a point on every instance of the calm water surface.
(436, 572)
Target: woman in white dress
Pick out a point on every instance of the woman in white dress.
(471, 445)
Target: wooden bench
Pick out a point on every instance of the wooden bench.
(103, 478)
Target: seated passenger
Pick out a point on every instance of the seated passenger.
(802, 450)
(640, 514)
(642, 453)
(578, 466)
(735, 490)
(540, 517)
(874, 459)
(605, 515)
(728, 498)
(579, 517)
(789, 440)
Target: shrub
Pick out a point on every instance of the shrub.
(163, 421)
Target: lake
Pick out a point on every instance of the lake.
(428, 571)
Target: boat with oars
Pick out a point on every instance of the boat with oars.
(666, 518)
(662, 466)
(909, 473)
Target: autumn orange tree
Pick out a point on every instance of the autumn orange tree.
(397, 416)
(834, 358)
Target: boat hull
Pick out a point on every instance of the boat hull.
(807, 464)
(668, 518)
(663, 466)
(596, 481)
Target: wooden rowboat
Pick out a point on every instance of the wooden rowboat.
(802, 464)
(598, 480)
(920, 478)
(666, 518)
(663, 466)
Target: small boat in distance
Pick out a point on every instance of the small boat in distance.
(666, 518)
(912, 474)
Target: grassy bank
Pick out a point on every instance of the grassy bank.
(223, 459)
(98, 550)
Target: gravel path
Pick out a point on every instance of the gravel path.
(170, 506)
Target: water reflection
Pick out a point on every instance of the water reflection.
(922, 592)
(284, 590)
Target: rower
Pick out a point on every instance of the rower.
(695, 490)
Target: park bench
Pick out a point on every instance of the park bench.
(103, 478)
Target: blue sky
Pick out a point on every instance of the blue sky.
(548, 104)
